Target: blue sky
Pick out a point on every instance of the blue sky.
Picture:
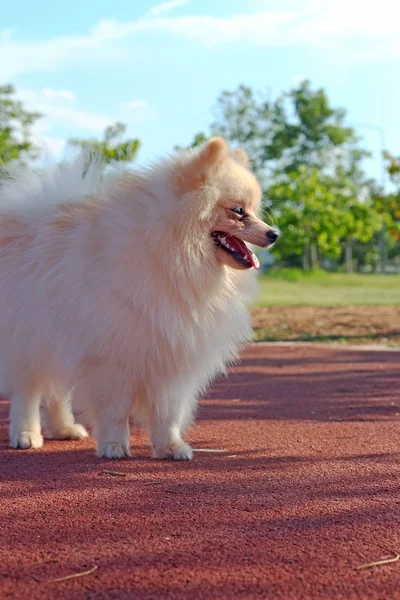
(159, 67)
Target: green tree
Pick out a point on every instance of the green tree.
(111, 148)
(300, 127)
(388, 206)
(355, 195)
(308, 216)
(15, 128)
(393, 168)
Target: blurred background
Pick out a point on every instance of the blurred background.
(310, 89)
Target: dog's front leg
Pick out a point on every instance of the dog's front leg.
(166, 424)
(167, 442)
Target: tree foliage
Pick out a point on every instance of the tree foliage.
(388, 204)
(393, 168)
(15, 128)
(300, 127)
(112, 148)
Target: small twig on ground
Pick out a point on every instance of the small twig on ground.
(113, 473)
(314, 448)
(152, 483)
(38, 563)
(74, 575)
(207, 450)
(383, 561)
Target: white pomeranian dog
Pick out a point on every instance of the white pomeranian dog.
(124, 294)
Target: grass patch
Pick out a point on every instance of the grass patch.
(292, 287)
(267, 335)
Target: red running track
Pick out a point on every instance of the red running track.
(306, 490)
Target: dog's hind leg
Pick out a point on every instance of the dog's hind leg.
(25, 429)
(107, 397)
(59, 420)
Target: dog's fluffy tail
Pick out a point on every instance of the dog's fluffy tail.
(34, 190)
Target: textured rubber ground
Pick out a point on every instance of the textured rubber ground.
(307, 488)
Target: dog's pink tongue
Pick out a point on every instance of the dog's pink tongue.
(241, 247)
(253, 259)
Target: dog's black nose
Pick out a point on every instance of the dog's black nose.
(272, 235)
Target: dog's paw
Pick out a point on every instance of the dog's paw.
(72, 432)
(25, 440)
(113, 450)
(181, 451)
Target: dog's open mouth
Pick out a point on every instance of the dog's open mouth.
(236, 248)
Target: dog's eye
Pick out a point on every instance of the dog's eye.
(238, 211)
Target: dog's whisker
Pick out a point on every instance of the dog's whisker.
(268, 211)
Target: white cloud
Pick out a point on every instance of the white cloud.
(135, 104)
(65, 94)
(166, 7)
(289, 23)
(55, 53)
(136, 111)
(46, 102)
(319, 24)
(79, 118)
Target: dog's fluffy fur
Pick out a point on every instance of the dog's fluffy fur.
(116, 300)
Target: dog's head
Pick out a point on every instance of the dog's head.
(226, 197)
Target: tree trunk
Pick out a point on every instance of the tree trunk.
(306, 264)
(314, 256)
(349, 256)
(383, 248)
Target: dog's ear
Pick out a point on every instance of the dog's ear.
(212, 153)
(241, 157)
(193, 173)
